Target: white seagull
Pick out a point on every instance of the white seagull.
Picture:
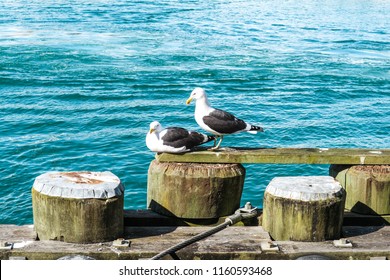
(173, 139)
(216, 121)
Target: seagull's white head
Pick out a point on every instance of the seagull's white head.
(155, 127)
(197, 93)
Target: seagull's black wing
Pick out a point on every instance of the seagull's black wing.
(179, 137)
(223, 122)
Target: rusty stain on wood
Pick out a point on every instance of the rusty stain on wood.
(80, 177)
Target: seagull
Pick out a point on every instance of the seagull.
(173, 139)
(216, 121)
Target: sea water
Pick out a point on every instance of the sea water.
(80, 81)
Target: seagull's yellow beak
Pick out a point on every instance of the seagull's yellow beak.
(189, 100)
(152, 130)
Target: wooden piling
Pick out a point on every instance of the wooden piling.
(193, 190)
(306, 208)
(78, 207)
(367, 187)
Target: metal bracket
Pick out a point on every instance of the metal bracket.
(269, 246)
(7, 245)
(243, 213)
(343, 243)
(247, 212)
(121, 243)
(17, 258)
(383, 258)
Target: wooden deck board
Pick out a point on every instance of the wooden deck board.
(230, 243)
(282, 156)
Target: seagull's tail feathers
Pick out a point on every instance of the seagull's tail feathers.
(254, 129)
(210, 138)
(201, 138)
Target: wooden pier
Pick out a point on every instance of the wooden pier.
(147, 233)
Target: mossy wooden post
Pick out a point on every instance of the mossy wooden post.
(78, 207)
(307, 208)
(194, 190)
(367, 187)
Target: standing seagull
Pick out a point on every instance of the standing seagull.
(216, 121)
(173, 139)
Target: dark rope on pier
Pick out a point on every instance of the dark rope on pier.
(241, 214)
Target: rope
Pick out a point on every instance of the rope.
(240, 214)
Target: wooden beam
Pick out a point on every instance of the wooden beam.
(282, 156)
(232, 243)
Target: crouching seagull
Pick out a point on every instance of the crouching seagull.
(173, 139)
(216, 121)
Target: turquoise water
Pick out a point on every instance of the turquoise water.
(80, 81)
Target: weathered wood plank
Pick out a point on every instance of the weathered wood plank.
(148, 218)
(282, 156)
(363, 240)
(355, 219)
(231, 243)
